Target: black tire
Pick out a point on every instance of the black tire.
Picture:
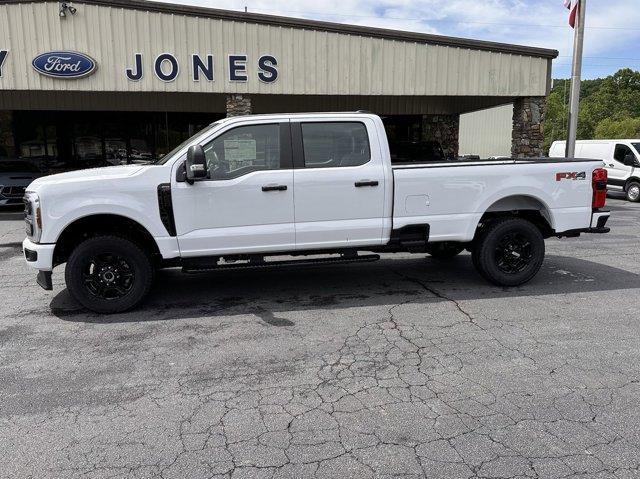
(445, 250)
(509, 251)
(632, 191)
(108, 274)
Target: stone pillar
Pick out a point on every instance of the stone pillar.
(7, 143)
(527, 136)
(444, 129)
(238, 104)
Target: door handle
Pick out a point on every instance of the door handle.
(612, 165)
(274, 188)
(361, 183)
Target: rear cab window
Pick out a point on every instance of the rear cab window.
(335, 144)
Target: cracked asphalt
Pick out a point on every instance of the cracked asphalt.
(407, 367)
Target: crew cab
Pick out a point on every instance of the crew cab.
(312, 187)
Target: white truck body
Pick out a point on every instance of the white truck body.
(621, 160)
(357, 202)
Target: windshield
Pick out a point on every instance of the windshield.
(636, 146)
(167, 157)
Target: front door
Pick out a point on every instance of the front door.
(246, 203)
(339, 185)
(617, 171)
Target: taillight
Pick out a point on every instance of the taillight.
(599, 185)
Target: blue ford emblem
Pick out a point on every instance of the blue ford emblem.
(64, 64)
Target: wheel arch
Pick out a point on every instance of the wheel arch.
(526, 206)
(98, 224)
(632, 179)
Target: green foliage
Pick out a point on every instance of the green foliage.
(609, 108)
(617, 129)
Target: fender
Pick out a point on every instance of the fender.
(519, 190)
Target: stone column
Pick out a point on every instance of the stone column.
(238, 104)
(7, 143)
(527, 136)
(444, 129)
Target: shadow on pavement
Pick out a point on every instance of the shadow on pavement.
(11, 213)
(265, 292)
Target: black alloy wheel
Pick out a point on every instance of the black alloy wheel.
(109, 274)
(508, 251)
(514, 253)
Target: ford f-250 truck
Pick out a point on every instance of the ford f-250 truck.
(247, 189)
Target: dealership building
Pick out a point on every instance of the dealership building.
(98, 82)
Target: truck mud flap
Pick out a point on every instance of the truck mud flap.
(44, 280)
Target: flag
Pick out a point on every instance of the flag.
(572, 5)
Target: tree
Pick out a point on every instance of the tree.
(617, 129)
(609, 108)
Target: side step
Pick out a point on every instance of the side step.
(194, 267)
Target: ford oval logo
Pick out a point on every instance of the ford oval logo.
(64, 64)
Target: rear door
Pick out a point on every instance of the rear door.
(246, 204)
(339, 184)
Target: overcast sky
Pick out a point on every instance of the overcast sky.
(612, 36)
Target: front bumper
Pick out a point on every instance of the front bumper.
(38, 256)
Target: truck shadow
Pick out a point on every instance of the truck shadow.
(270, 291)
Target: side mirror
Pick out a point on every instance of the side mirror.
(196, 164)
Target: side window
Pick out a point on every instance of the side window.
(242, 150)
(621, 151)
(335, 144)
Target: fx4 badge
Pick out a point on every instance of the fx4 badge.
(571, 175)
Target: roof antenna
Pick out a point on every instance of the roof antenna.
(245, 9)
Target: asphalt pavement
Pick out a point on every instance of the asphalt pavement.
(406, 367)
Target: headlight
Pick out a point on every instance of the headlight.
(32, 216)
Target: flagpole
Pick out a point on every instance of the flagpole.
(576, 71)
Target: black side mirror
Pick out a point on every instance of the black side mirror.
(196, 164)
(630, 160)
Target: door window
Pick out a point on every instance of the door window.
(243, 150)
(622, 151)
(335, 144)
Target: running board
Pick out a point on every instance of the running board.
(204, 267)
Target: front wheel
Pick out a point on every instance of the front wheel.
(108, 274)
(633, 191)
(509, 251)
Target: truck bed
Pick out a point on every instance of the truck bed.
(451, 197)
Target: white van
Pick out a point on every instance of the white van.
(621, 159)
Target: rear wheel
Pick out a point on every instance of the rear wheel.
(509, 251)
(108, 274)
(445, 250)
(633, 191)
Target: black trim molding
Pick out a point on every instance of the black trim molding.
(166, 208)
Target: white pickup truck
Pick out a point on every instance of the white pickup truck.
(320, 187)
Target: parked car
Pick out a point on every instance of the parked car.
(15, 176)
(249, 188)
(621, 159)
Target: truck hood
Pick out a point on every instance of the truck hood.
(91, 174)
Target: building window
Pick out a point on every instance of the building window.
(58, 141)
